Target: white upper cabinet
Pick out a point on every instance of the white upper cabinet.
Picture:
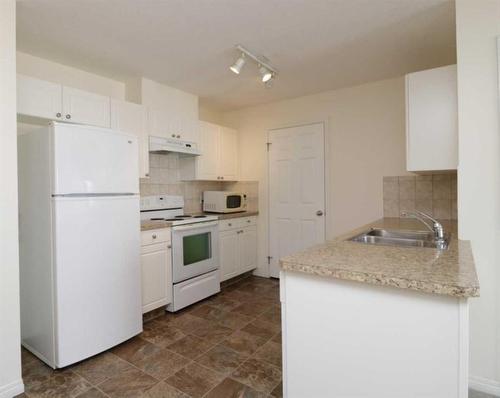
(43, 99)
(161, 124)
(207, 164)
(219, 158)
(158, 123)
(86, 108)
(39, 98)
(431, 120)
(132, 118)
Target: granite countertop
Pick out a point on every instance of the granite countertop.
(450, 272)
(147, 225)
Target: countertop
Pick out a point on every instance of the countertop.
(147, 225)
(449, 272)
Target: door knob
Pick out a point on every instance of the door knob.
(319, 213)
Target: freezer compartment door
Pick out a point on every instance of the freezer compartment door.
(93, 160)
(97, 274)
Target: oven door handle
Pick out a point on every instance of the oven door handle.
(195, 226)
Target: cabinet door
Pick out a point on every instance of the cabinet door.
(431, 119)
(228, 154)
(156, 126)
(39, 98)
(156, 276)
(228, 254)
(207, 163)
(132, 118)
(86, 108)
(189, 130)
(248, 248)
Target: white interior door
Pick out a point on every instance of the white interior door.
(296, 190)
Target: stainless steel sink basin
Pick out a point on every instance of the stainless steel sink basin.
(376, 236)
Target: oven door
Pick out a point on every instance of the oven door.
(195, 250)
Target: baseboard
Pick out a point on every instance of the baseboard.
(487, 386)
(12, 389)
(260, 272)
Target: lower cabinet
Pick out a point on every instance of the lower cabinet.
(156, 269)
(237, 246)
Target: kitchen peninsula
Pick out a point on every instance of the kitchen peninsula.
(365, 320)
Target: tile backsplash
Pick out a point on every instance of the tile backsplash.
(164, 180)
(434, 194)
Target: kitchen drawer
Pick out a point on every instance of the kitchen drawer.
(233, 223)
(155, 236)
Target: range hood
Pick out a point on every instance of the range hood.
(165, 145)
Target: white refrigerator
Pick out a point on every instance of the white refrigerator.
(79, 235)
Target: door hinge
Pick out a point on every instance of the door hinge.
(269, 260)
(268, 145)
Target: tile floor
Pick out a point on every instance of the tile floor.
(228, 345)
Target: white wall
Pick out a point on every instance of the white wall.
(54, 72)
(365, 137)
(174, 102)
(209, 115)
(10, 341)
(478, 25)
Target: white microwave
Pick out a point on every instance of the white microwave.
(224, 202)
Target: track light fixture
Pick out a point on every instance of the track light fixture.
(267, 72)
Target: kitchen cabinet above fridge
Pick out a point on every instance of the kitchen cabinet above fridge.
(42, 99)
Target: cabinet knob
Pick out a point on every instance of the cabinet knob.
(248, 221)
(169, 246)
(68, 116)
(178, 136)
(154, 236)
(58, 114)
(230, 224)
(222, 178)
(173, 135)
(147, 174)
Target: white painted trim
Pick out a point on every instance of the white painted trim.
(259, 272)
(482, 384)
(12, 389)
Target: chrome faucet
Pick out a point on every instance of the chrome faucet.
(436, 227)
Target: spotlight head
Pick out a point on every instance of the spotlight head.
(238, 65)
(266, 74)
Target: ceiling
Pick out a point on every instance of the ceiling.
(316, 45)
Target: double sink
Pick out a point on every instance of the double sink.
(377, 236)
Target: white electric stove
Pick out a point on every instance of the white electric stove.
(170, 208)
(195, 249)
